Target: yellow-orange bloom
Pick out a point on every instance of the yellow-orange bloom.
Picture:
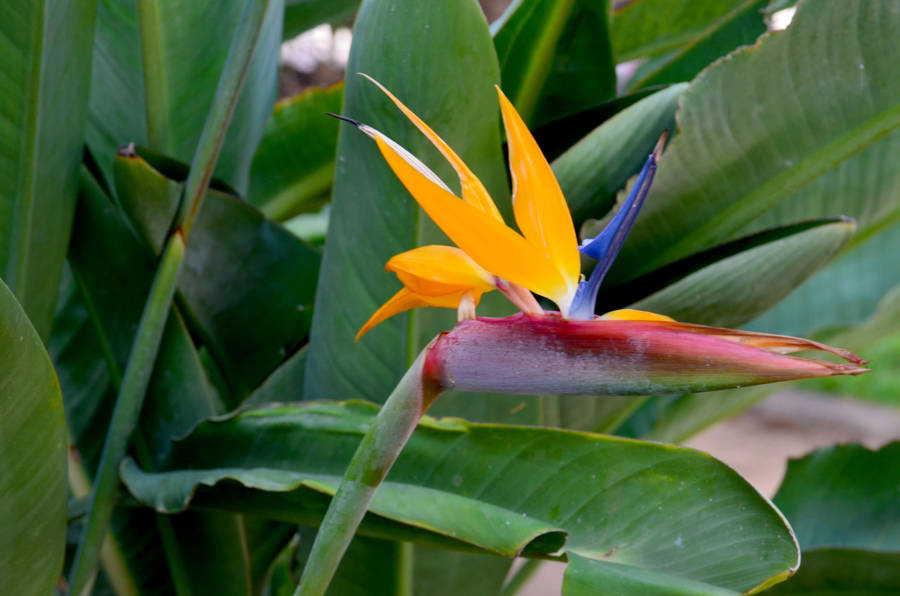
(543, 258)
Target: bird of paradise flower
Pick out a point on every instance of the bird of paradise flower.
(629, 351)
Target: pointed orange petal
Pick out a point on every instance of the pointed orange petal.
(439, 270)
(539, 205)
(399, 302)
(405, 300)
(489, 242)
(629, 314)
(473, 191)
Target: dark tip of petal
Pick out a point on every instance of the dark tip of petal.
(657, 150)
(356, 123)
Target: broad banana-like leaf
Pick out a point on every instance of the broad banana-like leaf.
(646, 28)
(739, 27)
(45, 54)
(773, 122)
(487, 488)
(33, 458)
(843, 504)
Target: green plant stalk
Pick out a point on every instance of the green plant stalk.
(156, 310)
(154, 66)
(234, 72)
(111, 558)
(126, 412)
(374, 457)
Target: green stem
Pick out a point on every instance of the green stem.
(125, 415)
(406, 557)
(373, 459)
(111, 558)
(146, 344)
(227, 91)
(155, 82)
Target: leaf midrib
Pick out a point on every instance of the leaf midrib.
(23, 215)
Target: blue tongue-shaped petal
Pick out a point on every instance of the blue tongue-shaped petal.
(606, 245)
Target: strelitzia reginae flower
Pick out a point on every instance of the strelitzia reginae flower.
(572, 350)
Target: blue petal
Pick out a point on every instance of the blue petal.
(606, 246)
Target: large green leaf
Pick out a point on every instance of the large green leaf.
(844, 572)
(557, 135)
(844, 293)
(844, 496)
(843, 504)
(555, 56)
(45, 50)
(595, 168)
(736, 288)
(649, 27)
(501, 489)
(256, 309)
(300, 15)
(166, 107)
(294, 165)
(443, 67)
(769, 122)
(32, 457)
(739, 27)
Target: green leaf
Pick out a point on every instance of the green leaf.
(649, 27)
(33, 458)
(844, 496)
(449, 573)
(285, 384)
(45, 53)
(844, 293)
(773, 121)
(166, 106)
(104, 249)
(300, 15)
(442, 66)
(739, 27)
(555, 56)
(843, 504)
(294, 165)
(592, 170)
(250, 318)
(557, 135)
(584, 576)
(506, 490)
(737, 287)
(842, 572)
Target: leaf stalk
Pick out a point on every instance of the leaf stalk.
(377, 452)
(156, 310)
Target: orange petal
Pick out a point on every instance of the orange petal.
(489, 242)
(405, 300)
(629, 314)
(439, 270)
(539, 205)
(473, 191)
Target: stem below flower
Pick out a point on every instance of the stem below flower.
(374, 457)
